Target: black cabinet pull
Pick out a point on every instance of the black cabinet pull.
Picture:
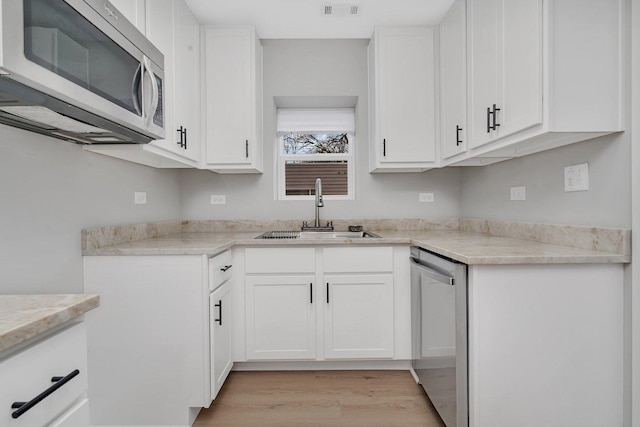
(495, 117)
(488, 119)
(327, 292)
(458, 140)
(384, 147)
(25, 406)
(246, 148)
(219, 305)
(311, 292)
(179, 130)
(185, 138)
(226, 267)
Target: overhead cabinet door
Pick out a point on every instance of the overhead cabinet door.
(504, 40)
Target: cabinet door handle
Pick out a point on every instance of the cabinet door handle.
(185, 139)
(226, 267)
(23, 407)
(311, 292)
(488, 119)
(180, 131)
(495, 117)
(384, 147)
(246, 148)
(219, 319)
(458, 140)
(327, 292)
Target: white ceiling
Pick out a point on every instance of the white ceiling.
(300, 19)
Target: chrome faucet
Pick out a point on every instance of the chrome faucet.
(318, 204)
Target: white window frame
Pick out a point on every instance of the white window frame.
(351, 169)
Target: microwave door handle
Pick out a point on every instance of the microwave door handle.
(153, 105)
(136, 90)
(431, 274)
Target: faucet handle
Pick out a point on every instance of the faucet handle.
(329, 223)
(305, 224)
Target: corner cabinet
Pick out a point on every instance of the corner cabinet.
(232, 80)
(540, 75)
(172, 28)
(402, 100)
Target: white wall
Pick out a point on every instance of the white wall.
(49, 191)
(319, 68)
(486, 190)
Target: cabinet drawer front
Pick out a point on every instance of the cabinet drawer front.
(280, 260)
(28, 373)
(220, 269)
(358, 259)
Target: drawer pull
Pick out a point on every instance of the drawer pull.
(25, 406)
(226, 267)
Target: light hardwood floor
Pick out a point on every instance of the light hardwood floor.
(320, 398)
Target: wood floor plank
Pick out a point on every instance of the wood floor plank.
(320, 399)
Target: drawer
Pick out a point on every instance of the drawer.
(366, 259)
(280, 260)
(220, 269)
(28, 373)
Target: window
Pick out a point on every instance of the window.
(314, 144)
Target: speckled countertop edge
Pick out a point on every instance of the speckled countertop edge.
(24, 316)
(468, 247)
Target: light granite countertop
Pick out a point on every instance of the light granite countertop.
(464, 246)
(24, 316)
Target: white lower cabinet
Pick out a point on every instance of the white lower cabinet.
(546, 336)
(341, 308)
(149, 357)
(358, 319)
(280, 318)
(30, 371)
(220, 336)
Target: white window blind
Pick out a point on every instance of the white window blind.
(316, 120)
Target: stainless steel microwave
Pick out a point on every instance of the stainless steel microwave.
(78, 70)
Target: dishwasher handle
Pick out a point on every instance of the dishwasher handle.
(447, 280)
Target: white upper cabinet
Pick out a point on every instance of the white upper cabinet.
(233, 100)
(171, 27)
(402, 99)
(540, 75)
(453, 81)
(505, 59)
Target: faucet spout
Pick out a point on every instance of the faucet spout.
(319, 202)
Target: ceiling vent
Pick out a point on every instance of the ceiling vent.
(340, 9)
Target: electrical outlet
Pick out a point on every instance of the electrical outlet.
(518, 193)
(576, 177)
(218, 199)
(140, 198)
(426, 197)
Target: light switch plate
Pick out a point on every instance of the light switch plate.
(140, 197)
(218, 199)
(518, 193)
(576, 177)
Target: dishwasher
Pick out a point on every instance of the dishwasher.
(439, 333)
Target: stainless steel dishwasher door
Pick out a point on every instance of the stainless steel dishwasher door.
(439, 333)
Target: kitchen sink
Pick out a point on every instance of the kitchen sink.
(317, 235)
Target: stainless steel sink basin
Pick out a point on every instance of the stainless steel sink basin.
(317, 235)
(337, 235)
